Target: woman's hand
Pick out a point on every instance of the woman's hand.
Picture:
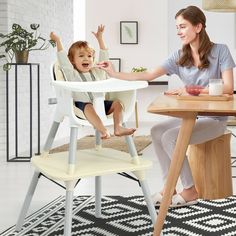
(106, 66)
(179, 91)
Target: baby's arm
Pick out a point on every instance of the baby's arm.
(57, 40)
(99, 36)
(103, 52)
(63, 59)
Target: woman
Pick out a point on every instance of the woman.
(197, 62)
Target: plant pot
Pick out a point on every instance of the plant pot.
(21, 56)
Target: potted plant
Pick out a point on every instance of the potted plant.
(19, 42)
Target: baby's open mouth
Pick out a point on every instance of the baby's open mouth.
(85, 65)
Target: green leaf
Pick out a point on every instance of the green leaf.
(16, 27)
(7, 50)
(32, 43)
(34, 26)
(23, 34)
(53, 43)
(6, 67)
(2, 35)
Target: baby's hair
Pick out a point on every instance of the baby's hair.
(78, 45)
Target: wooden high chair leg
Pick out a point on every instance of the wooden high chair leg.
(27, 201)
(98, 196)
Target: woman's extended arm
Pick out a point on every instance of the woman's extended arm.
(146, 75)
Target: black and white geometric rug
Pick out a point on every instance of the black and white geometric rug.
(127, 216)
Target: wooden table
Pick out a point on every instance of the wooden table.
(188, 110)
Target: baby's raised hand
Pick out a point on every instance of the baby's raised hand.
(99, 32)
(54, 37)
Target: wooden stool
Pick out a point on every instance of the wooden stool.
(231, 121)
(210, 163)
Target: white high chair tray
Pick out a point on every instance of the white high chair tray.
(108, 85)
(100, 162)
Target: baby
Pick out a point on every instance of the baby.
(78, 65)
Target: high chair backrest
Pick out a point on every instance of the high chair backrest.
(57, 72)
(57, 75)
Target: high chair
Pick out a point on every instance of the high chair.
(73, 165)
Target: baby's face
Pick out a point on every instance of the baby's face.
(83, 60)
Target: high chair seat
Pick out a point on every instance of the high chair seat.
(121, 90)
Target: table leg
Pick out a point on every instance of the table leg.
(175, 168)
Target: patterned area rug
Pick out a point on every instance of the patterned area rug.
(117, 143)
(126, 216)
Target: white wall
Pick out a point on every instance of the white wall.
(51, 15)
(152, 47)
(151, 16)
(3, 28)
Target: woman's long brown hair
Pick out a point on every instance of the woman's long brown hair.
(195, 16)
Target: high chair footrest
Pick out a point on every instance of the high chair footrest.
(89, 162)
